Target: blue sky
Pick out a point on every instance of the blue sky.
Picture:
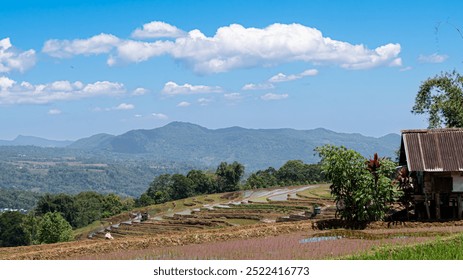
(71, 69)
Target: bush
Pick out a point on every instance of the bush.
(363, 189)
(54, 228)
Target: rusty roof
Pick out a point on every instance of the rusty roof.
(432, 149)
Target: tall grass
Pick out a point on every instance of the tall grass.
(450, 248)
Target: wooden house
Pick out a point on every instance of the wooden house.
(434, 159)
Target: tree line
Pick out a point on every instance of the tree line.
(227, 178)
(56, 215)
(169, 187)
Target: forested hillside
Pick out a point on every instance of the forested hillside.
(27, 171)
(254, 148)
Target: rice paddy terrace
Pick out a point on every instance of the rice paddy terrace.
(255, 224)
(224, 210)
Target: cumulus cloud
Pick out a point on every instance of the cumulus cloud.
(183, 104)
(124, 107)
(273, 96)
(159, 116)
(12, 92)
(231, 47)
(235, 46)
(54, 112)
(172, 88)
(6, 83)
(98, 44)
(13, 59)
(157, 29)
(140, 91)
(280, 77)
(433, 58)
(136, 51)
(257, 86)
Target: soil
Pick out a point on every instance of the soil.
(121, 247)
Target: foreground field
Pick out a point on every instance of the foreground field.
(263, 224)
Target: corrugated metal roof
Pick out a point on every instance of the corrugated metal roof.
(433, 149)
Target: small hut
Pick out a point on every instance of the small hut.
(434, 159)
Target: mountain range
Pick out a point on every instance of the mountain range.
(22, 140)
(255, 148)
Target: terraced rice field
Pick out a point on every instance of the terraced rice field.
(261, 224)
(222, 211)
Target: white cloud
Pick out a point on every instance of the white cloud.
(26, 93)
(280, 77)
(103, 87)
(157, 29)
(172, 88)
(54, 112)
(138, 116)
(98, 44)
(12, 59)
(61, 86)
(183, 104)
(235, 46)
(136, 51)
(273, 96)
(140, 91)
(232, 47)
(6, 83)
(159, 116)
(124, 107)
(233, 96)
(257, 86)
(433, 58)
(204, 101)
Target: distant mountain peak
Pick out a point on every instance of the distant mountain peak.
(23, 140)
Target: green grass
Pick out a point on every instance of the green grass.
(323, 191)
(449, 248)
(259, 199)
(84, 231)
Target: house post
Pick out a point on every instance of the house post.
(460, 206)
(437, 205)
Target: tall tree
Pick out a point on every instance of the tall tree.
(63, 203)
(441, 98)
(229, 176)
(292, 172)
(203, 182)
(182, 187)
(160, 190)
(89, 208)
(12, 231)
